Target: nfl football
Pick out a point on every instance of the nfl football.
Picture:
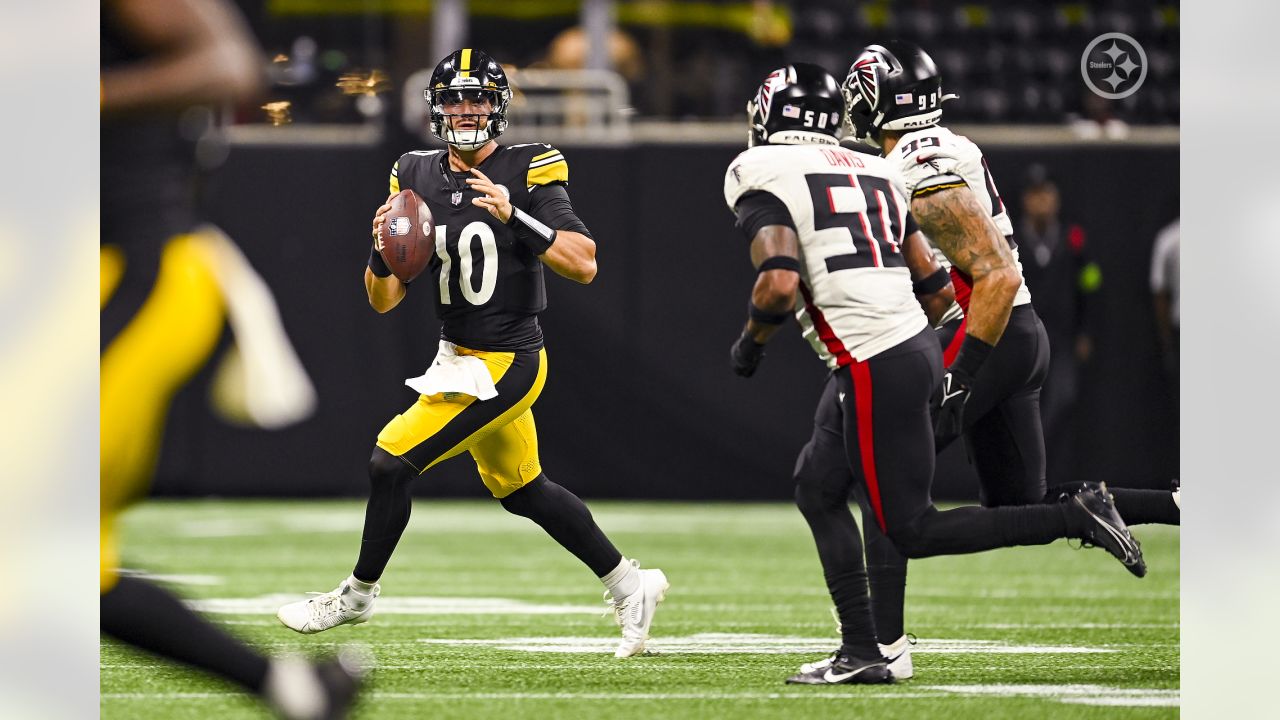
(408, 236)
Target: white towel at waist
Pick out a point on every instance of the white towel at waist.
(451, 372)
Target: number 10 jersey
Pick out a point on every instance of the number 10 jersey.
(850, 213)
(488, 286)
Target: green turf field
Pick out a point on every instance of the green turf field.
(482, 615)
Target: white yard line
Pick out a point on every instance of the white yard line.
(1074, 694)
(753, 644)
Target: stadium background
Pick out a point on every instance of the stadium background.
(640, 401)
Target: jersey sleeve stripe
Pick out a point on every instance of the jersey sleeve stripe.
(940, 186)
(395, 177)
(547, 154)
(550, 160)
(555, 172)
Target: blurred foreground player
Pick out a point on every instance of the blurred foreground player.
(832, 224)
(165, 294)
(501, 213)
(996, 350)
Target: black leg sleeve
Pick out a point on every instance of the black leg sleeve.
(387, 514)
(823, 481)
(1146, 506)
(886, 577)
(567, 520)
(147, 617)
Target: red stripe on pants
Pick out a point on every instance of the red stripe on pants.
(953, 348)
(861, 374)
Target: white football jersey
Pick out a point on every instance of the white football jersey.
(850, 212)
(936, 156)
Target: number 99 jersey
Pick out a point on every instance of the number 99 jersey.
(935, 158)
(488, 286)
(850, 213)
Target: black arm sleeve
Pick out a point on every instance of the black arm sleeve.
(759, 208)
(550, 205)
(911, 227)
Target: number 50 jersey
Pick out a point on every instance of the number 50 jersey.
(850, 213)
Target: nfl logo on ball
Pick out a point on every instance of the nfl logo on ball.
(400, 226)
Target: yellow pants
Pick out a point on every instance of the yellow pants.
(499, 432)
(166, 341)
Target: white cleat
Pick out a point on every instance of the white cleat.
(342, 606)
(634, 613)
(898, 655)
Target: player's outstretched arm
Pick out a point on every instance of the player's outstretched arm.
(931, 283)
(204, 53)
(957, 224)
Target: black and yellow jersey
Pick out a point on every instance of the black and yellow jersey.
(488, 286)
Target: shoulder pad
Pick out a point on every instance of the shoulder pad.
(930, 159)
(546, 165)
(748, 172)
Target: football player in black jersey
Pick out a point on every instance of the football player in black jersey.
(501, 213)
(163, 308)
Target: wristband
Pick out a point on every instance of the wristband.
(377, 264)
(933, 283)
(973, 352)
(536, 236)
(762, 316)
(779, 262)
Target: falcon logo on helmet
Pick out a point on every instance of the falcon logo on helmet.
(864, 73)
(799, 103)
(894, 86)
(468, 76)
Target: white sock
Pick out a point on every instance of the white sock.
(360, 586)
(293, 688)
(622, 580)
(357, 594)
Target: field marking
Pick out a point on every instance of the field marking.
(411, 605)
(751, 644)
(1071, 694)
(1076, 626)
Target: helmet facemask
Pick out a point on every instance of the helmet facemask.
(489, 124)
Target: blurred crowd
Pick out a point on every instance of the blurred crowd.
(1010, 62)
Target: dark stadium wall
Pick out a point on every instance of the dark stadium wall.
(640, 402)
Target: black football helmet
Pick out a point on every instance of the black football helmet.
(894, 86)
(799, 103)
(468, 73)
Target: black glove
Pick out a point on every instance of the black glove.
(948, 406)
(745, 355)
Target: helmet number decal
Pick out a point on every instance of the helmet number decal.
(462, 248)
(928, 102)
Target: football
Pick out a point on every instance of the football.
(408, 236)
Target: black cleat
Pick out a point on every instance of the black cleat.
(843, 670)
(1106, 528)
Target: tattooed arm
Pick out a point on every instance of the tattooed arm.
(957, 224)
